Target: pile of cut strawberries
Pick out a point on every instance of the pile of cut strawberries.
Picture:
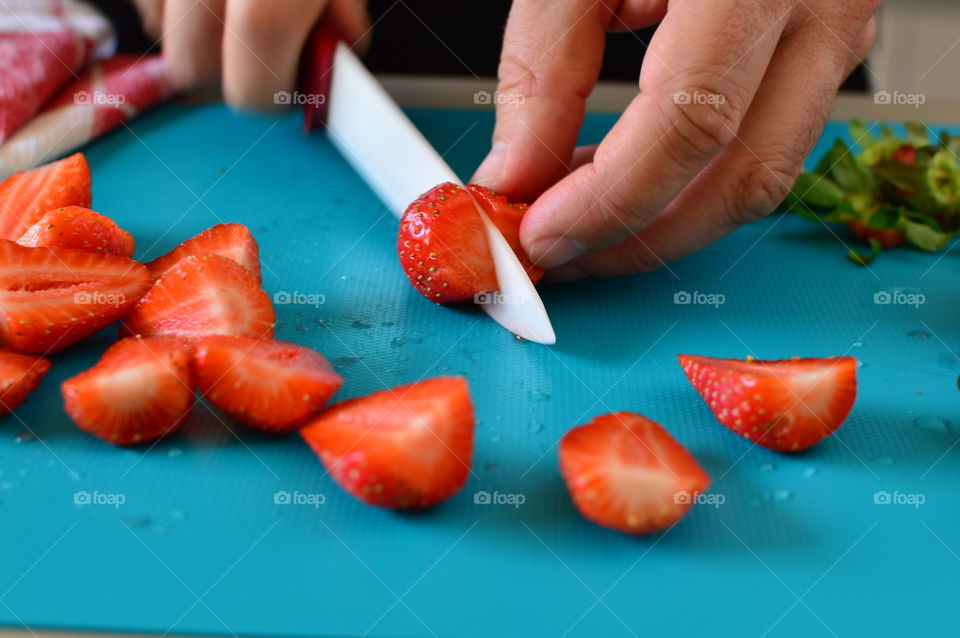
(197, 319)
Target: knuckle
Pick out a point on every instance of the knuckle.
(762, 187)
(704, 118)
(516, 76)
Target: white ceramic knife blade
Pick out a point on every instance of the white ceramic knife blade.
(399, 164)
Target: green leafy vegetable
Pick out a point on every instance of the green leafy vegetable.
(888, 190)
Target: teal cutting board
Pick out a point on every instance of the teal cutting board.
(188, 536)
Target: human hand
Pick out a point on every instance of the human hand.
(254, 46)
(733, 95)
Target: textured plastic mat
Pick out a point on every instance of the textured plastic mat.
(190, 535)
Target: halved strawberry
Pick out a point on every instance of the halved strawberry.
(785, 405)
(79, 228)
(27, 195)
(139, 390)
(888, 237)
(408, 447)
(20, 374)
(203, 295)
(443, 246)
(270, 385)
(233, 241)
(626, 472)
(52, 299)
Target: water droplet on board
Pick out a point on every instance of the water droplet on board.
(882, 460)
(919, 334)
(24, 435)
(536, 427)
(21, 472)
(768, 466)
(161, 530)
(361, 324)
(346, 277)
(174, 452)
(781, 495)
(346, 361)
(137, 521)
(932, 423)
(519, 339)
(402, 341)
(444, 368)
(807, 473)
(538, 395)
(489, 466)
(6, 486)
(856, 344)
(859, 363)
(495, 439)
(177, 515)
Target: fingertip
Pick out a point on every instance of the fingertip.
(490, 172)
(556, 251)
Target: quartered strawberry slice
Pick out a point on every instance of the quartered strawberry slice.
(233, 241)
(52, 299)
(139, 390)
(81, 229)
(27, 195)
(409, 447)
(785, 405)
(203, 295)
(627, 473)
(270, 385)
(443, 246)
(20, 374)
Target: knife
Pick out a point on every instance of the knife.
(399, 165)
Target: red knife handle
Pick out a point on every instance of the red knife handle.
(316, 73)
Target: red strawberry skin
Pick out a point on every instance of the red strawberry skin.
(627, 473)
(443, 246)
(273, 386)
(50, 300)
(233, 241)
(27, 195)
(203, 295)
(80, 229)
(405, 448)
(20, 374)
(139, 391)
(786, 405)
(888, 237)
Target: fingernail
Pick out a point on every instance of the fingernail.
(564, 274)
(491, 169)
(552, 252)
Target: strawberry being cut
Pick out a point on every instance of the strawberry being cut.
(233, 241)
(27, 195)
(81, 229)
(785, 405)
(139, 390)
(408, 447)
(627, 473)
(20, 374)
(52, 299)
(270, 385)
(443, 246)
(203, 295)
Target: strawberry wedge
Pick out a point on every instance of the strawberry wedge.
(52, 299)
(27, 195)
(786, 405)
